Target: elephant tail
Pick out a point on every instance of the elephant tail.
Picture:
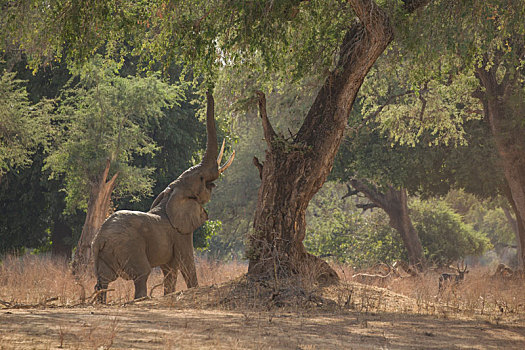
(104, 272)
(95, 249)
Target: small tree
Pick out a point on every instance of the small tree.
(23, 125)
(102, 126)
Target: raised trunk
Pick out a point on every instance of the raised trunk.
(295, 170)
(211, 153)
(98, 208)
(394, 202)
(503, 107)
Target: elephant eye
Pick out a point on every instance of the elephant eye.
(202, 178)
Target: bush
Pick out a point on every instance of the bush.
(335, 228)
(444, 236)
(203, 235)
(339, 230)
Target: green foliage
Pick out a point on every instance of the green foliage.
(23, 125)
(432, 112)
(289, 36)
(337, 229)
(26, 192)
(105, 117)
(483, 215)
(444, 236)
(459, 35)
(24, 208)
(204, 234)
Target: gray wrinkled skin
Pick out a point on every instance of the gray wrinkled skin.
(130, 243)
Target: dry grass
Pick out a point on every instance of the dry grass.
(230, 311)
(479, 294)
(40, 280)
(33, 280)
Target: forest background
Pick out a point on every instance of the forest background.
(417, 136)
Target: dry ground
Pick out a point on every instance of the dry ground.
(41, 308)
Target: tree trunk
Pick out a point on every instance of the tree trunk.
(98, 208)
(517, 227)
(503, 106)
(395, 203)
(295, 170)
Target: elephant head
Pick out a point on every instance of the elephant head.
(183, 199)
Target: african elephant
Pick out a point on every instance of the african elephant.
(130, 243)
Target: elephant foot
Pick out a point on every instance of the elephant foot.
(101, 292)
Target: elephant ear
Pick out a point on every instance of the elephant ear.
(184, 212)
(161, 196)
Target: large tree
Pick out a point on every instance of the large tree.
(351, 35)
(484, 40)
(294, 170)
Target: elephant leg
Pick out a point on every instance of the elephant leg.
(105, 274)
(170, 277)
(188, 270)
(139, 271)
(183, 252)
(101, 286)
(141, 286)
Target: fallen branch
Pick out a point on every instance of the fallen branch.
(96, 293)
(131, 302)
(154, 287)
(9, 305)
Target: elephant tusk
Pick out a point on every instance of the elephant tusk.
(228, 163)
(219, 158)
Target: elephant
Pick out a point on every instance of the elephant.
(130, 243)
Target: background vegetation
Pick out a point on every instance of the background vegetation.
(416, 124)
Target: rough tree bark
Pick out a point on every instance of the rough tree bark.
(503, 107)
(395, 203)
(294, 170)
(98, 208)
(517, 226)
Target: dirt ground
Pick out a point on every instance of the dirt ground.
(141, 327)
(220, 318)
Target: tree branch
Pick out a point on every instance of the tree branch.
(269, 133)
(367, 206)
(258, 165)
(423, 106)
(113, 179)
(370, 191)
(412, 5)
(106, 171)
(350, 192)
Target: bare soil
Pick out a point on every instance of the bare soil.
(244, 315)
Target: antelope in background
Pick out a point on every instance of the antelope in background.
(447, 278)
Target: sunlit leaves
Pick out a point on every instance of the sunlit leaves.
(23, 125)
(463, 33)
(106, 117)
(291, 37)
(432, 112)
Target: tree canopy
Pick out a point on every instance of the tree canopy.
(24, 126)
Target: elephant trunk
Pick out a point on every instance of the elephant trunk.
(210, 156)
